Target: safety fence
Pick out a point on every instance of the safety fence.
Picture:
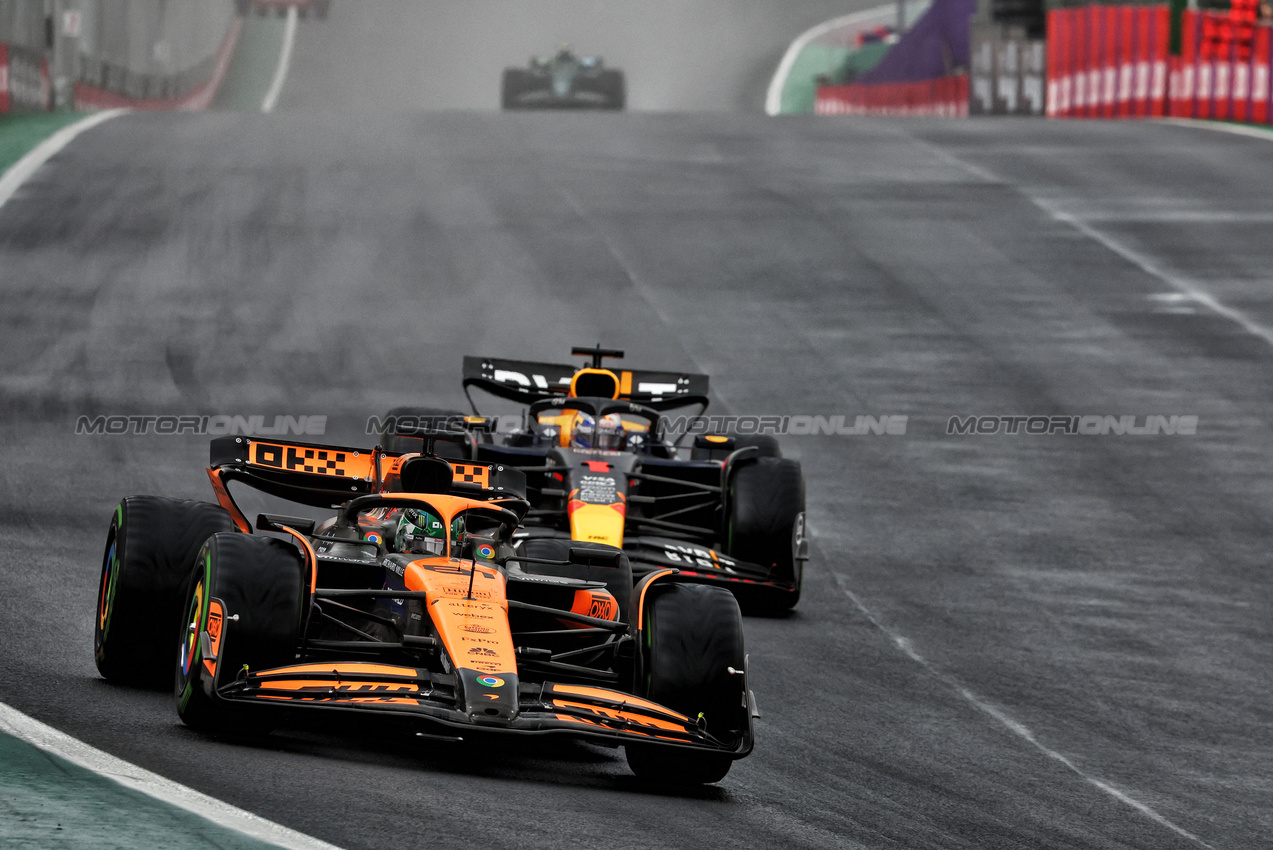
(104, 86)
(24, 79)
(157, 54)
(944, 96)
(1116, 62)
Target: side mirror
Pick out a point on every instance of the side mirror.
(589, 557)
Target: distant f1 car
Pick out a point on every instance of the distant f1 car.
(410, 604)
(728, 510)
(563, 81)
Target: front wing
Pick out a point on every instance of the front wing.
(648, 554)
(543, 708)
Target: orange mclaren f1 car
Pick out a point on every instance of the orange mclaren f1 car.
(411, 603)
(601, 466)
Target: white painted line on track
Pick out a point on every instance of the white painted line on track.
(1147, 265)
(1221, 126)
(13, 179)
(1003, 718)
(773, 98)
(284, 62)
(1185, 286)
(153, 785)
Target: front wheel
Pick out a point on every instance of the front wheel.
(693, 658)
(243, 611)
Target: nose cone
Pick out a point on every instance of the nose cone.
(561, 83)
(490, 699)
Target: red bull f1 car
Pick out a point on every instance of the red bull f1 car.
(409, 601)
(601, 467)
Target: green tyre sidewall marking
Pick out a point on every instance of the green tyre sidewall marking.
(112, 549)
(196, 663)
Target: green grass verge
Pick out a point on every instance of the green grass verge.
(21, 132)
(49, 802)
(800, 89)
(252, 67)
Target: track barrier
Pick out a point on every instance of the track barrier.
(108, 88)
(24, 80)
(944, 97)
(1115, 62)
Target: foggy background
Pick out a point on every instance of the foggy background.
(679, 55)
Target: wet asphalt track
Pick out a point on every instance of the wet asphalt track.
(1000, 635)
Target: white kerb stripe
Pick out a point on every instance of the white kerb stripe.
(773, 98)
(153, 785)
(284, 62)
(13, 179)
(1236, 129)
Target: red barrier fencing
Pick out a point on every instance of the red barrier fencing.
(200, 97)
(24, 80)
(1113, 62)
(945, 96)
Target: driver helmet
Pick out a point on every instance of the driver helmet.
(604, 433)
(419, 533)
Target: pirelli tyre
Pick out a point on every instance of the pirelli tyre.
(617, 581)
(437, 417)
(765, 525)
(512, 86)
(150, 547)
(693, 657)
(244, 606)
(613, 86)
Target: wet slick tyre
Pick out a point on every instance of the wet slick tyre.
(259, 580)
(692, 636)
(766, 509)
(150, 547)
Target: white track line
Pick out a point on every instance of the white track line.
(1220, 126)
(153, 785)
(1013, 726)
(284, 62)
(1183, 285)
(773, 98)
(1145, 264)
(13, 179)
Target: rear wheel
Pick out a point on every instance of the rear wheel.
(150, 547)
(512, 87)
(692, 636)
(766, 518)
(257, 583)
(615, 89)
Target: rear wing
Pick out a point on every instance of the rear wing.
(323, 476)
(527, 381)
